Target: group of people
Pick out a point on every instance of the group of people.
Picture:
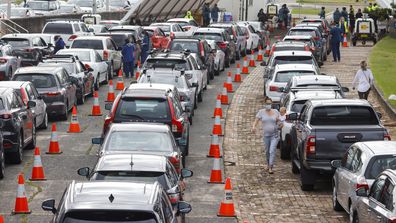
(130, 50)
(210, 13)
(283, 16)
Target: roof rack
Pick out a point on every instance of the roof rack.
(63, 19)
(320, 88)
(73, 58)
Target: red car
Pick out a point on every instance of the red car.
(158, 37)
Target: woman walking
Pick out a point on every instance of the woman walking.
(270, 122)
(364, 79)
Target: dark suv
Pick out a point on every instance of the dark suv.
(151, 103)
(115, 201)
(18, 127)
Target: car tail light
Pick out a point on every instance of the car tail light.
(6, 116)
(392, 220)
(175, 162)
(105, 55)
(55, 93)
(387, 137)
(310, 148)
(316, 38)
(361, 182)
(177, 125)
(72, 37)
(201, 49)
(174, 198)
(24, 96)
(273, 88)
(222, 45)
(7, 145)
(87, 66)
(3, 60)
(29, 50)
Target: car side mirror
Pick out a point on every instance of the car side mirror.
(108, 106)
(345, 89)
(83, 172)
(97, 141)
(49, 205)
(186, 173)
(362, 192)
(183, 207)
(379, 115)
(336, 163)
(31, 104)
(292, 116)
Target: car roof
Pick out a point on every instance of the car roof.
(222, 24)
(335, 102)
(296, 37)
(315, 94)
(209, 30)
(131, 162)
(126, 195)
(5, 90)
(294, 67)
(292, 53)
(12, 84)
(168, 55)
(77, 49)
(161, 24)
(314, 79)
(38, 70)
(17, 35)
(303, 24)
(141, 127)
(180, 19)
(126, 27)
(184, 39)
(379, 147)
(92, 38)
(64, 21)
(289, 43)
(149, 90)
(304, 27)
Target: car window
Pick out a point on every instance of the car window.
(58, 28)
(387, 195)
(183, 45)
(344, 115)
(176, 108)
(87, 44)
(109, 46)
(194, 63)
(30, 93)
(348, 158)
(76, 27)
(16, 42)
(167, 210)
(143, 109)
(14, 101)
(38, 80)
(209, 36)
(285, 76)
(376, 188)
(37, 41)
(138, 141)
(98, 58)
(61, 77)
(84, 28)
(357, 161)
(166, 63)
(170, 175)
(293, 60)
(377, 164)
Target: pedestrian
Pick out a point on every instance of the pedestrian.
(344, 14)
(261, 16)
(270, 123)
(206, 14)
(351, 9)
(214, 13)
(128, 57)
(359, 14)
(344, 26)
(286, 12)
(188, 15)
(59, 44)
(145, 47)
(364, 79)
(322, 13)
(336, 16)
(351, 21)
(370, 7)
(335, 41)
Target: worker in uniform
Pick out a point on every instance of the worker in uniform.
(128, 57)
(188, 15)
(336, 34)
(322, 13)
(145, 47)
(336, 16)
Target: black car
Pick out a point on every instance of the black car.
(75, 68)
(118, 38)
(54, 84)
(200, 47)
(30, 49)
(18, 127)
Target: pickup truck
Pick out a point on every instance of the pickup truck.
(323, 132)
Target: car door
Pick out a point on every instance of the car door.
(383, 206)
(70, 88)
(196, 72)
(39, 110)
(368, 209)
(343, 177)
(26, 118)
(164, 39)
(88, 79)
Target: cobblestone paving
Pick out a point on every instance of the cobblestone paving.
(261, 197)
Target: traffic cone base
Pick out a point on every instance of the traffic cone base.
(74, 126)
(38, 170)
(227, 208)
(21, 202)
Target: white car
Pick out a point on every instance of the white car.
(43, 7)
(253, 39)
(87, 5)
(69, 9)
(280, 76)
(105, 46)
(188, 25)
(202, 68)
(172, 29)
(68, 30)
(219, 58)
(92, 59)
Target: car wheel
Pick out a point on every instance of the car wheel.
(106, 80)
(353, 217)
(17, 157)
(303, 174)
(336, 205)
(285, 150)
(64, 115)
(2, 165)
(81, 100)
(44, 125)
(217, 72)
(32, 144)
(110, 72)
(200, 97)
(9, 76)
(97, 82)
(295, 169)
(227, 61)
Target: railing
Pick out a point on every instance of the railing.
(11, 27)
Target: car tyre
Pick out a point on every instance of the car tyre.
(227, 61)
(200, 97)
(44, 125)
(285, 150)
(81, 99)
(2, 165)
(353, 217)
(295, 169)
(32, 144)
(17, 157)
(336, 205)
(96, 85)
(64, 115)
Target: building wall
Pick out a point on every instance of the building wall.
(230, 6)
(235, 7)
(254, 7)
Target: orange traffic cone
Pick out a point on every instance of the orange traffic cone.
(120, 81)
(345, 42)
(1, 219)
(268, 49)
(96, 107)
(224, 97)
(138, 70)
(21, 202)
(251, 62)
(218, 111)
(227, 205)
(214, 149)
(229, 83)
(54, 144)
(217, 129)
(260, 54)
(38, 170)
(245, 68)
(237, 77)
(110, 93)
(215, 174)
(74, 126)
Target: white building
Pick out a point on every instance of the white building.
(238, 8)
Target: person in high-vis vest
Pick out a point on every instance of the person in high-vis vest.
(344, 26)
(370, 7)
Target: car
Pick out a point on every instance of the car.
(105, 46)
(69, 9)
(176, 61)
(314, 47)
(86, 6)
(188, 96)
(54, 85)
(8, 62)
(136, 31)
(28, 92)
(140, 168)
(289, 46)
(199, 65)
(362, 163)
(18, 127)
(323, 132)
(293, 102)
(219, 64)
(75, 68)
(253, 39)
(91, 59)
(323, 22)
(171, 29)
(158, 38)
(151, 102)
(110, 23)
(320, 40)
(223, 40)
(236, 35)
(188, 25)
(48, 45)
(115, 201)
(325, 32)
(41, 8)
(98, 28)
(281, 75)
(67, 29)
(199, 47)
(29, 48)
(140, 138)
(2, 157)
(376, 204)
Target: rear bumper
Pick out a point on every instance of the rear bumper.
(56, 108)
(29, 62)
(319, 165)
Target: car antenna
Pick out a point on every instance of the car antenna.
(131, 163)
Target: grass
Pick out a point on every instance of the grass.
(382, 63)
(305, 11)
(345, 2)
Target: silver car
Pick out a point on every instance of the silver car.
(362, 164)
(8, 63)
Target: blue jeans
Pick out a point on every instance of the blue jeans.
(270, 144)
(129, 68)
(335, 48)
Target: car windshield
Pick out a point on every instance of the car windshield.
(118, 39)
(139, 141)
(87, 44)
(68, 66)
(109, 216)
(38, 80)
(84, 56)
(60, 28)
(344, 115)
(181, 23)
(165, 28)
(209, 36)
(285, 76)
(378, 164)
(141, 109)
(166, 79)
(299, 40)
(16, 42)
(297, 106)
(166, 63)
(135, 176)
(293, 60)
(121, 30)
(318, 85)
(118, 3)
(182, 45)
(290, 48)
(39, 5)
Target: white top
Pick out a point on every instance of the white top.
(363, 79)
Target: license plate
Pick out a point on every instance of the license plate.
(364, 35)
